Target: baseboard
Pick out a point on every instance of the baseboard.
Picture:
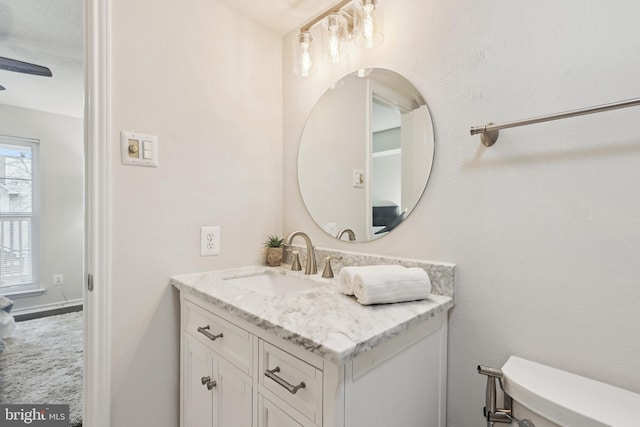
(47, 310)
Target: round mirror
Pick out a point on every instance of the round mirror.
(365, 155)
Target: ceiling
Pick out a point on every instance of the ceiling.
(46, 33)
(50, 33)
(280, 16)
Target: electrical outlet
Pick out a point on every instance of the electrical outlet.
(209, 240)
(58, 279)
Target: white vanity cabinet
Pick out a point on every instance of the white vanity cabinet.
(217, 387)
(237, 373)
(216, 394)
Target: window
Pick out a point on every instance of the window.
(18, 215)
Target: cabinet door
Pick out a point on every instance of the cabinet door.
(235, 396)
(197, 401)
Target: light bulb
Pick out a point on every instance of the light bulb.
(332, 35)
(333, 49)
(302, 59)
(369, 31)
(368, 25)
(305, 60)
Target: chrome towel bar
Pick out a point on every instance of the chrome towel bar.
(489, 132)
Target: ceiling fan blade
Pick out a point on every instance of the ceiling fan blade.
(2, 87)
(23, 67)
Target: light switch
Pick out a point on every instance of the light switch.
(134, 148)
(147, 152)
(358, 178)
(139, 149)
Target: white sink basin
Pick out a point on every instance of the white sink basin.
(272, 283)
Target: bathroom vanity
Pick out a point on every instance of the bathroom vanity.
(267, 347)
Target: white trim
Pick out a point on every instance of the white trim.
(386, 153)
(47, 307)
(97, 312)
(24, 294)
(36, 212)
(368, 202)
(383, 95)
(443, 368)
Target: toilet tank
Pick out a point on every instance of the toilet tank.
(567, 399)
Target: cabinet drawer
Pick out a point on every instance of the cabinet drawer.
(296, 382)
(269, 415)
(228, 340)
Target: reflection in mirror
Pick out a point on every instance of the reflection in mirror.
(365, 154)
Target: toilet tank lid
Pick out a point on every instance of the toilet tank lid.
(568, 399)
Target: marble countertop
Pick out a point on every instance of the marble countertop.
(321, 320)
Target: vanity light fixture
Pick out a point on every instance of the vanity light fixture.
(358, 20)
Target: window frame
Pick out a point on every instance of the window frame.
(27, 289)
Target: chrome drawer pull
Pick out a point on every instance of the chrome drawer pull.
(207, 381)
(203, 331)
(293, 389)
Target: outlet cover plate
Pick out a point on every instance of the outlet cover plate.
(209, 240)
(58, 279)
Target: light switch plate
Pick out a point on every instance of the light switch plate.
(139, 149)
(358, 178)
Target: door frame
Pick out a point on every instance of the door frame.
(97, 302)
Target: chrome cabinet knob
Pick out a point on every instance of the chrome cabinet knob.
(207, 381)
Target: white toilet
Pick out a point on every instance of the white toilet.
(548, 397)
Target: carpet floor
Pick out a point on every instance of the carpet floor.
(42, 363)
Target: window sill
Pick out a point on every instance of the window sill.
(25, 294)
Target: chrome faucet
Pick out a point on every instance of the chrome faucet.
(311, 267)
(349, 232)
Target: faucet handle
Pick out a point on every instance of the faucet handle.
(295, 265)
(327, 273)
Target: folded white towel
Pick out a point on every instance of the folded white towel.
(380, 287)
(347, 275)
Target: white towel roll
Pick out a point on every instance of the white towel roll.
(381, 287)
(347, 275)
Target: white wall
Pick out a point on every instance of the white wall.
(207, 82)
(61, 151)
(544, 226)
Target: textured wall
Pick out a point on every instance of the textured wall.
(207, 82)
(543, 227)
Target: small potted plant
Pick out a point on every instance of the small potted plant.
(274, 245)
